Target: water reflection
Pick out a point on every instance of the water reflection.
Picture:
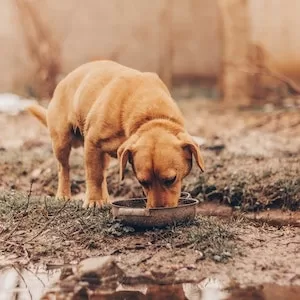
(153, 292)
(206, 290)
(26, 284)
(266, 291)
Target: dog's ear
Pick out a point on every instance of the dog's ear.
(123, 158)
(191, 148)
(124, 153)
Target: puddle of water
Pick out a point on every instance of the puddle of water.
(27, 284)
(23, 284)
(201, 291)
(32, 284)
(207, 289)
(266, 291)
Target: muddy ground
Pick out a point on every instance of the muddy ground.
(252, 170)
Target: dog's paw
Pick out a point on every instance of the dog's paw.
(106, 201)
(62, 197)
(93, 199)
(92, 203)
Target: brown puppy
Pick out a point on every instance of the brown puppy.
(116, 111)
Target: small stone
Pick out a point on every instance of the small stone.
(215, 195)
(210, 188)
(66, 272)
(217, 258)
(200, 256)
(95, 269)
(197, 190)
(168, 246)
(191, 267)
(47, 171)
(227, 254)
(66, 243)
(36, 173)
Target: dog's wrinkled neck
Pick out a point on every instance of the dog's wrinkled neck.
(168, 123)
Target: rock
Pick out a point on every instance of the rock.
(90, 274)
(36, 173)
(210, 188)
(215, 195)
(65, 273)
(200, 141)
(236, 196)
(217, 258)
(197, 190)
(200, 256)
(100, 271)
(227, 254)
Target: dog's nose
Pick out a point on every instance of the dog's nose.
(158, 198)
(155, 203)
(160, 204)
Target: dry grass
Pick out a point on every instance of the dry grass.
(44, 227)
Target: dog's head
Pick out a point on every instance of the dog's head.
(160, 160)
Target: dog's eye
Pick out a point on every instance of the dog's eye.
(145, 183)
(169, 181)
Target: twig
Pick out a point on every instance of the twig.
(50, 267)
(21, 276)
(26, 252)
(22, 247)
(48, 223)
(268, 72)
(144, 259)
(183, 244)
(289, 82)
(293, 242)
(24, 213)
(46, 206)
(10, 243)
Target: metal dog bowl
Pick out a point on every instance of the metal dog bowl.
(185, 195)
(133, 212)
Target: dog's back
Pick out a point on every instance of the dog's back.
(77, 92)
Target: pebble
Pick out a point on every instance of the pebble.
(217, 258)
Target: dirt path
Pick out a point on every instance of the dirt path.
(252, 161)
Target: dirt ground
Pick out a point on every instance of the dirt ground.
(252, 167)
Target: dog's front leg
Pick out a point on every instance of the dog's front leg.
(96, 163)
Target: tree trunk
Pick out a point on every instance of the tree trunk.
(235, 33)
(166, 51)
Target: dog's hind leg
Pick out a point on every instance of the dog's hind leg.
(61, 144)
(106, 160)
(96, 163)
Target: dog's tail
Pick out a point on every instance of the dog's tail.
(39, 112)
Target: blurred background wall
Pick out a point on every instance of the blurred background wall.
(180, 40)
(275, 25)
(140, 34)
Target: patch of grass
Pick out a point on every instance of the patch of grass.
(45, 227)
(250, 192)
(213, 237)
(284, 193)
